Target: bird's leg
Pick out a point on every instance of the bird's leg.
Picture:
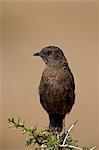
(64, 127)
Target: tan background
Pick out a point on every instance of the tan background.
(28, 26)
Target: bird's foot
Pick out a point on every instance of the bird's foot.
(54, 130)
(65, 131)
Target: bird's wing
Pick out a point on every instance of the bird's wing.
(68, 87)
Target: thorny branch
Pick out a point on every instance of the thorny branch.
(45, 139)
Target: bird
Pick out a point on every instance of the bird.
(57, 86)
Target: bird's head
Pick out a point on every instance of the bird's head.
(51, 55)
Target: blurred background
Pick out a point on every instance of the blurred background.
(27, 27)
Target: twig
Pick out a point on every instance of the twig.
(79, 148)
(93, 148)
(72, 126)
(31, 131)
(65, 138)
(43, 146)
(71, 146)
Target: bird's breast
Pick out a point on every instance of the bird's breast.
(53, 79)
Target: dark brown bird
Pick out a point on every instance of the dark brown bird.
(57, 86)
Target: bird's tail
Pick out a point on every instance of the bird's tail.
(56, 122)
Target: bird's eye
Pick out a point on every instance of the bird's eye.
(49, 52)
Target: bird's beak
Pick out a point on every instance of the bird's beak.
(36, 54)
(39, 54)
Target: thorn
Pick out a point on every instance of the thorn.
(75, 122)
(72, 126)
(93, 148)
(11, 125)
(19, 120)
(14, 129)
(24, 131)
